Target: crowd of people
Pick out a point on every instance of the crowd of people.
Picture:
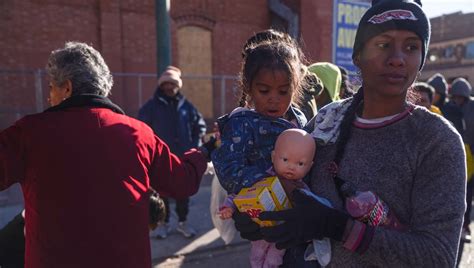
(93, 175)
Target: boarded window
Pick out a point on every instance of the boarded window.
(195, 61)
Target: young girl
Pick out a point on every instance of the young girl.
(378, 141)
(270, 79)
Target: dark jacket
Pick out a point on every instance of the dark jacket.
(468, 115)
(247, 140)
(175, 120)
(454, 114)
(85, 171)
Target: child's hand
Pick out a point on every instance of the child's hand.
(215, 129)
(225, 213)
(209, 146)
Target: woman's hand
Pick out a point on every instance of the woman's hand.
(309, 219)
(248, 229)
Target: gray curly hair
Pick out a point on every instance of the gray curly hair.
(83, 66)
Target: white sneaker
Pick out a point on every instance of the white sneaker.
(465, 235)
(162, 230)
(185, 229)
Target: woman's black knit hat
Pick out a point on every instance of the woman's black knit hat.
(386, 15)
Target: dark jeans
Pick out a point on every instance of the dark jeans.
(12, 244)
(182, 209)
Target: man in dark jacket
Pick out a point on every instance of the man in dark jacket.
(173, 118)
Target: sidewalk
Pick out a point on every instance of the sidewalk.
(177, 251)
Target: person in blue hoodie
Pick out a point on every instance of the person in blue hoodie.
(175, 120)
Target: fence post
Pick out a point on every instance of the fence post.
(38, 91)
(140, 92)
(222, 95)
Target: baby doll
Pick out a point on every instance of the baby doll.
(292, 159)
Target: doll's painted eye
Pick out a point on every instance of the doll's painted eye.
(284, 159)
(301, 164)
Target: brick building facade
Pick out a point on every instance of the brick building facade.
(452, 47)
(207, 36)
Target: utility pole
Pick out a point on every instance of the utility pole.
(163, 35)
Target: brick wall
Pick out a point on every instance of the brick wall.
(316, 30)
(124, 31)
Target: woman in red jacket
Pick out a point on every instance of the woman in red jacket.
(85, 168)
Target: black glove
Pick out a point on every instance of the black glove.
(248, 229)
(209, 146)
(309, 219)
(157, 209)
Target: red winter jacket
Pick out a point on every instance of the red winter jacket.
(85, 173)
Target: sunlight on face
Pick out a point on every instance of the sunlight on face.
(169, 89)
(389, 63)
(271, 93)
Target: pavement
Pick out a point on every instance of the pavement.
(206, 249)
(467, 259)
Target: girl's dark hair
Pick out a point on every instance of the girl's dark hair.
(274, 55)
(266, 35)
(345, 131)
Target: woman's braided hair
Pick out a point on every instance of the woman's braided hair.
(345, 133)
(346, 125)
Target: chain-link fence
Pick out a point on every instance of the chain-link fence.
(25, 92)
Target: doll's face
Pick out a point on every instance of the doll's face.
(293, 154)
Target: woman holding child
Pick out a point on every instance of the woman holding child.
(378, 141)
